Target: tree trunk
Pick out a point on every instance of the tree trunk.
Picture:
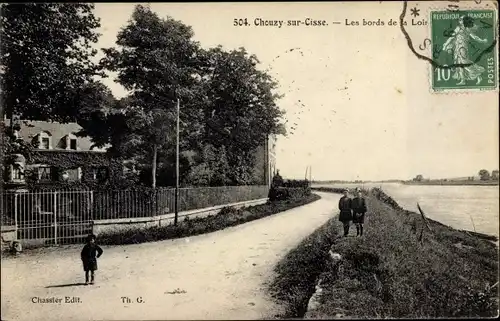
(153, 171)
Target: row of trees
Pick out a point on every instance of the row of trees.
(484, 175)
(228, 106)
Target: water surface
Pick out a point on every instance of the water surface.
(462, 207)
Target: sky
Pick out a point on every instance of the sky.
(360, 99)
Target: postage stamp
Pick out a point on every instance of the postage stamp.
(464, 49)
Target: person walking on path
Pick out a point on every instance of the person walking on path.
(90, 253)
(358, 205)
(345, 215)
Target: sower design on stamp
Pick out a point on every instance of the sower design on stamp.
(464, 49)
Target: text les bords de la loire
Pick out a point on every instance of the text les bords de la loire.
(309, 22)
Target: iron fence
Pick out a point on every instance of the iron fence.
(66, 216)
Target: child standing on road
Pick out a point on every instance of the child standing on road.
(90, 253)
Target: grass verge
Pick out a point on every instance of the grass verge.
(398, 269)
(227, 217)
(297, 272)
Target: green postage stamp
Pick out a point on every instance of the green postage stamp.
(464, 49)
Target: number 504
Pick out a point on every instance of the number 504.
(443, 73)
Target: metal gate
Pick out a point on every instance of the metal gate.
(53, 217)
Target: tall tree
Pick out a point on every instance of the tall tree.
(156, 61)
(149, 129)
(212, 169)
(241, 109)
(46, 51)
(419, 178)
(241, 99)
(484, 175)
(98, 113)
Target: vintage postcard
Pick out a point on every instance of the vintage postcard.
(249, 160)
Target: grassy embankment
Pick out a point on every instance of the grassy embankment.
(227, 217)
(399, 268)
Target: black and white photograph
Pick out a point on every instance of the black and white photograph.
(249, 160)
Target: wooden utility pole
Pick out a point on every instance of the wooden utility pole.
(153, 168)
(177, 168)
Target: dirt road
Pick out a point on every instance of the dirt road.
(221, 275)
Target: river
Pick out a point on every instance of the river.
(462, 207)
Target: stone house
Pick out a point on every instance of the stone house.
(58, 156)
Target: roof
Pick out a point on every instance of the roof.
(30, 129)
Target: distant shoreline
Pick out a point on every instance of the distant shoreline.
(454, 183)
(431, 182)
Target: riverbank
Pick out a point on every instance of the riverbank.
(402, 267)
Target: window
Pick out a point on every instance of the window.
(69, 142)
(45, 173)
(72, 144)
(100, 174)
(43, 140)
(17, 173)
(45, 143)
(73, 174)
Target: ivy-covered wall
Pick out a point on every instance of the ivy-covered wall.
(87, 161)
